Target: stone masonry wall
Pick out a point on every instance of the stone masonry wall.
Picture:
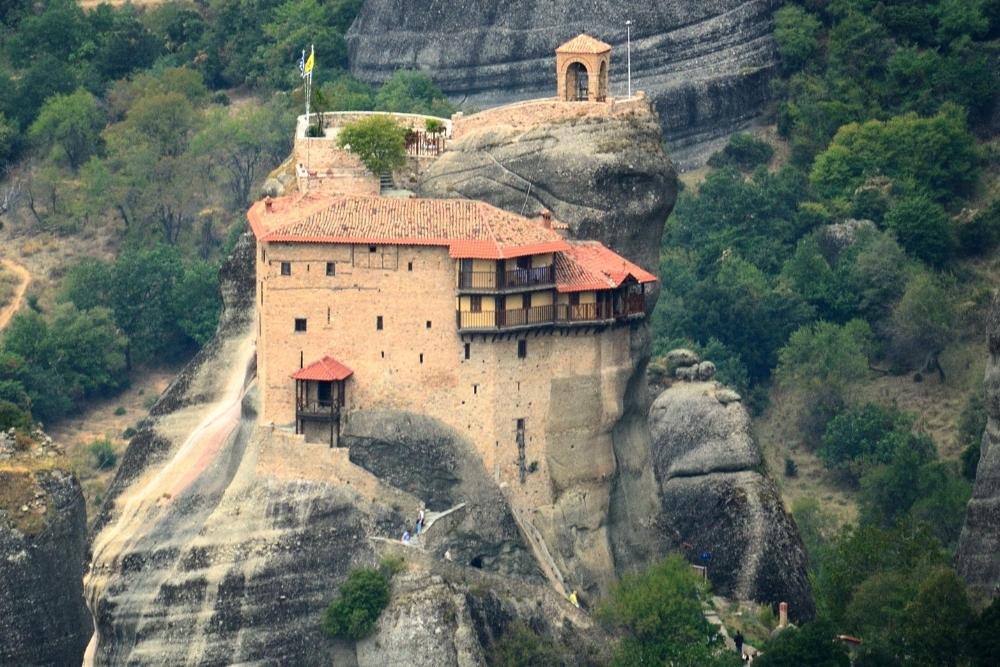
(568, 389)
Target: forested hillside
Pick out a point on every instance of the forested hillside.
(840, 267)
(150, 127)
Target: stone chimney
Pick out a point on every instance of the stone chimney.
(783, 615)
(268, 204)
(547, 218)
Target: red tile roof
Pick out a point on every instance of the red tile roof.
(589, 265)
(583, 43)
(324, 370)
(469, 229)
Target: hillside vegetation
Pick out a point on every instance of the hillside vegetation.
(839, 276)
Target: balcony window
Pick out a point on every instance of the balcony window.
(476, 303)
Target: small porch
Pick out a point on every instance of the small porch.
(320, 395)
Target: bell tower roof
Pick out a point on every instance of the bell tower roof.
(584, 43)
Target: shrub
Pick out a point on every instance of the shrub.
(377, 140)
(744, 151)
(434, 126)
(981, 233)
(120, 410)
(923, 229)
(791, 467)
(870, 435)
(360, 601)
(797, 33)
(11, 416)
(519, 646)
(813, 644)
(103, 453)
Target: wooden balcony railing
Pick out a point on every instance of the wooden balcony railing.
(316, 408)
(631, 305)
(537, 276)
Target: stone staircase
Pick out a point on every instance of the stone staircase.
(385, 182)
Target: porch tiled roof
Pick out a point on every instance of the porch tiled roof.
(589, 265)
(324, 370)
(469, 229)
(583, 43)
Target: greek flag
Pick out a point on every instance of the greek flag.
(302, 64)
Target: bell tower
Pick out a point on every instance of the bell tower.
(582, 66)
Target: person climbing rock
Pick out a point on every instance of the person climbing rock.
(420, 521)
(738, 638)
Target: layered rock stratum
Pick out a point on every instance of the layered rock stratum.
(979, 544)
(706, 65)
(43, 553)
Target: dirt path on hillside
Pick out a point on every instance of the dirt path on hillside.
(18, 298)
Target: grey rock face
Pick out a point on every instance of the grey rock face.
(435, 464)
(43, 618)
(978, 554)
(706, 65)
(715, 498)
(608, 178)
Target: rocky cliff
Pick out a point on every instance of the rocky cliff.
(719, 507)
(706, 65)
(608, 178)
(43, 552)
(978, 554)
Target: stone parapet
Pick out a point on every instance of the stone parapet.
(523, 115)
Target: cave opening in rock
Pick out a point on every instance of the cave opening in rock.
(476, 562)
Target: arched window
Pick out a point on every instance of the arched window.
(577, 82)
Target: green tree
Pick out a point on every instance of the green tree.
(412, 92)
(241, 146)
(825, 355)
(984, 636)
(378, 141)
(743, 151)
(103, 453)
(935, 155)
(797, 33)
(69, 126)
(8, 140)
(659, 613)
(359, 603)
(871, 435)
(923, 323)
(197, 302)
(923, 229)
(813, 644)
(936, 622)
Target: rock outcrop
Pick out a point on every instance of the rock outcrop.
(706, 65)
(43, 553)
(717, 501)
(608, 178)
(978, 554)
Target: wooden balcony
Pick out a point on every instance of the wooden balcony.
(632, 306)
(317, 409)
(510, 279)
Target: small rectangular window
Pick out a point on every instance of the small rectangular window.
(522, 349)
(428, 324)
(468, 350)
(378, 323)
(372, 248)
(476, 303)
(286, 268)
(331, 268)
(520, 425)
(475, 389)
(421, 357)
(574, 298)
(409, 266)
(300, 324)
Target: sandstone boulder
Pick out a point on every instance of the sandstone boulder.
(682, 357)
(716, 500)
(978, 554)
(43, 618)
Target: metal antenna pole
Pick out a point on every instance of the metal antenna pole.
(628, 52)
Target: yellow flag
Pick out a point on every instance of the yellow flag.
(310, 62)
